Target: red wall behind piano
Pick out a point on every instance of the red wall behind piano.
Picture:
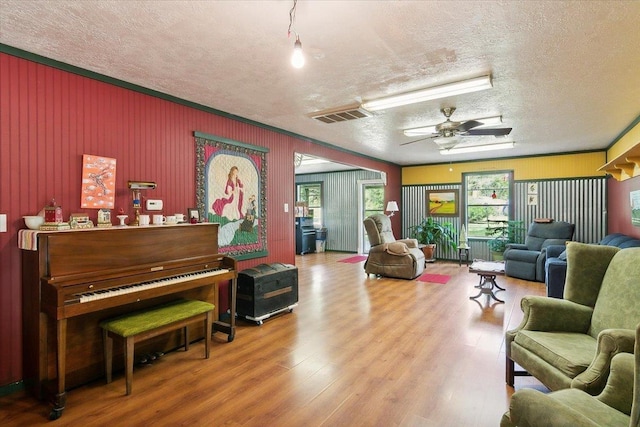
(50, 117)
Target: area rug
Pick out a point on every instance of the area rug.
(434, 278)
(354, 259)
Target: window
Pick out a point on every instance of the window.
(487, 201)
(373, 200)
(312, 194)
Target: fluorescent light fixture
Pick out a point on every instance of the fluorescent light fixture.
(307, 160)
(476, 148)
(426, 130)
(436, 92)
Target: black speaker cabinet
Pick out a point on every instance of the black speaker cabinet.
(267, 289)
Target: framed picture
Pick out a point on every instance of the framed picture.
(442, 202)
(193, 213)
(231, 179)
(98, 182)
(635, 207)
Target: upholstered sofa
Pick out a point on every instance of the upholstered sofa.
(556, 263)
(390, 257)
(526, 261)
(617, 405)
(570, 342)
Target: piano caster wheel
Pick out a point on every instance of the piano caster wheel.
(55, 414)
(231, 337)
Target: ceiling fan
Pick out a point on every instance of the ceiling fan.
(447, 133)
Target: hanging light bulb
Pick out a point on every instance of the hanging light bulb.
(297, 59)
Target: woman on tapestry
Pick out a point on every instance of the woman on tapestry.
(230, 205)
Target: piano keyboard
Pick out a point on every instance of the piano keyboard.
(143, 286)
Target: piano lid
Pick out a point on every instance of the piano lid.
(99, 250)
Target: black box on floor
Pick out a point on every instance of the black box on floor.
(267, 289)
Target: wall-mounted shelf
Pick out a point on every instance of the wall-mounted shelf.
(625, 166)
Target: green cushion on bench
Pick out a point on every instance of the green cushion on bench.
(134, 323)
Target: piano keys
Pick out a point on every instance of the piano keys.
(76, 278)
(100, 294)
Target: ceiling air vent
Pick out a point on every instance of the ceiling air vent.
(340, 114)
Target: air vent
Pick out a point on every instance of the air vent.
(340, 114)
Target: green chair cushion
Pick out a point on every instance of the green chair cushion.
(145, 320)
(569, 352)
(569, 407)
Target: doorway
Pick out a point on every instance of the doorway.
(370, 201)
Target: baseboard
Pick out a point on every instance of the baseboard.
(11, 388)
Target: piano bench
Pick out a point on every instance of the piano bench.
(141, 325)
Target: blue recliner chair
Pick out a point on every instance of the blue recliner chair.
(556, 264)
(527, 261)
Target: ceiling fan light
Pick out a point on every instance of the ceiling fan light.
(428, 94)
(447, 142)
(477, 148)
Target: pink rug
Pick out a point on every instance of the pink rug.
(354, 259)
(434, 278)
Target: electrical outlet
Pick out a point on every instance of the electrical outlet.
(286, 207)
(3, 223)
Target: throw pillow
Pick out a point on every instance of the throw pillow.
(397, 248)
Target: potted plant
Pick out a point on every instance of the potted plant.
(508, 232)
(431, 233)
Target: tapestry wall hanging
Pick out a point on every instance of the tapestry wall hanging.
(98, 182)
(231, 190)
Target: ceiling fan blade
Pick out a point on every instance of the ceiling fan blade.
(489, 132)
(469, 124)
(418, 140)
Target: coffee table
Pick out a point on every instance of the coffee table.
(487, 270)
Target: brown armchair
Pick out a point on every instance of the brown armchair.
(390, 257)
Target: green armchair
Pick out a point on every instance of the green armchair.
(570, 342)
(617, 405)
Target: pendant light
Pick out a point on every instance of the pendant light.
(297, 57)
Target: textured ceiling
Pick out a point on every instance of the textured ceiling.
(566, 74)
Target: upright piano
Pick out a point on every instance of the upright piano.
(73, 279)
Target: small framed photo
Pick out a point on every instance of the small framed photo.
(193, 215)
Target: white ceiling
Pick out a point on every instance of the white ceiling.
(566, 74)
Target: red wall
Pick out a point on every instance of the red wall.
(619, 206)
(49, 118)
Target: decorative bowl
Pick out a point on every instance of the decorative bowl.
(33, 221)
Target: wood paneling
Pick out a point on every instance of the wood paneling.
(49, 118)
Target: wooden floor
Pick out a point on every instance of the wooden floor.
(357, 351)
